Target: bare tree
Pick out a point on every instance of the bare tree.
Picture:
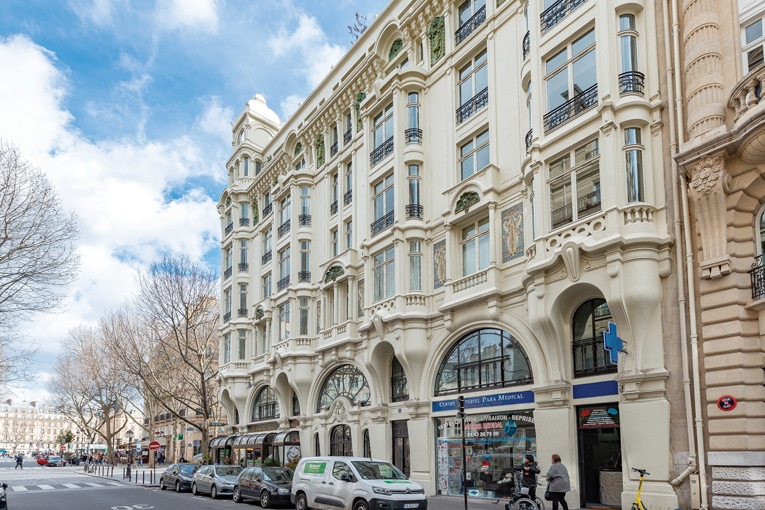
(37, 254)
(358, 27)
(91, 388)
(170, 342)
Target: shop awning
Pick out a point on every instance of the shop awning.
(218, 442)
(266, 438)
(287, 437)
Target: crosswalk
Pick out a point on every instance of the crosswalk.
(62, 486)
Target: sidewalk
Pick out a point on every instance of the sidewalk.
(139, 475)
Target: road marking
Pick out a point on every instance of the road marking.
(71, 485)
(20, 488)
(118, 484)
(93, 484)
(47, 487)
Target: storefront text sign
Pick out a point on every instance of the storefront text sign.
(498, 399)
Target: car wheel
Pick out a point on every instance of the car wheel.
(265, 499)
(194, 490)
(301, 503)
(361, 505)
(237, 496)
(213, 492)
(162, 485)
(177, 486)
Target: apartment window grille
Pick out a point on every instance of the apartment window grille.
(471, 15)
(473, 87)
(556, 11)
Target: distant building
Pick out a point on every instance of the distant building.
(29, 427)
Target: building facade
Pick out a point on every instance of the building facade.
(472, 197)
(30, 428)
(718, 60)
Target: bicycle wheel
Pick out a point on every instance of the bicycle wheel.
(524, 504)
(540, 503)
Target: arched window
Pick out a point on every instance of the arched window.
(340, 441)
(266, 406)
(367, 444)
(486, 358)
(316, 446)
(399, 389)
(761, 233)
(590, 321)
(345, 381)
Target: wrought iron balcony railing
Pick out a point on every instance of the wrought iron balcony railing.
(631, 82)
(526, 45)
(348, 135)
(333, 207)
(304, 220)
(266, 258)
(381, 224)
(557, 11)
(226, 316)
(244, 267)
(413, 211)
(473, 104)
(229, 228)
(244, 222)
(333, 149)
(757, 276)
(470, 25)
(283, 283)
(380, 152)
(413, 135)
(348, 197)
(267, 209)
(284, 228)
(571, 108)
(242, 312)
(227, 273)
(304, 276)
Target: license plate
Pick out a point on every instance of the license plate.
(411, 505)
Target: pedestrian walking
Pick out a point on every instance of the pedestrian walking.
(558, 483)
(19, 461)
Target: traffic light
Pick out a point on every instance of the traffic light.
(460, 407)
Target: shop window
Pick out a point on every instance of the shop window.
(590, 321)
(487, 358)
(266, 406)
(346, 381)
(340, 441)
(399, 387)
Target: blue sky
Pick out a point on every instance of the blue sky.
(127, 106)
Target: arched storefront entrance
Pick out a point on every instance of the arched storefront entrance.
(340, 443)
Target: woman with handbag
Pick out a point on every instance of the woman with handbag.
(558, 483)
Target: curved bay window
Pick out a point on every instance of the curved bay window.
(486, 358)
(345, 381)
(590, 321)
(399, 389)
(265, 406)
(340, 441)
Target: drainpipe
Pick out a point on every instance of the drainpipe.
(686, 307)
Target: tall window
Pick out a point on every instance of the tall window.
(590, 321)
(475, 247)
(473, 87)
(334, 193)
(575, 184)
(229, 260)
(268, 241)
(348, 197)
(415, 265)
(265, 406)
(413, 131)
(267, 285)
(487, 358)
(334, 241)
(348, 127)
(633, 152)
(242, 300)
(414, 209)
(382, 201)
(382, 134)
(245, 166)
(284, 210)
(304, 309)
(630, 79)
(258, 167)
(227, 348)
(474, 155)
(305, 257)
(753, 43)
(349, 234)
(305, 206)
(384, 273)
(284, 263)
(244, 260)
(284, 321)
(399, 388)
(227, 303)
(570, 74)
(345, 381)
(267, 203)
(340, 445)
(242, 344)
(471, 15)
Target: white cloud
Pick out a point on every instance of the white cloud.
(96, 12)
(215, 120)
(309, 42)
(133, 199)
(289, 105)
(187, 14)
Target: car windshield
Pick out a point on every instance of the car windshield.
(53, 458)
(277, 474)
(372, 470)
(229, 471)
(188, 468)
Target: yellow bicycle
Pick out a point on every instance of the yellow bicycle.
(638, 505)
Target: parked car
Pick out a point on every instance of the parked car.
(178, 477)
(346, 483)
(215, 480)
(3, 497)
(55, 461)
(41, 460)
(269, 485)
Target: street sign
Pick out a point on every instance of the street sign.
(154, 446)
(63, 447)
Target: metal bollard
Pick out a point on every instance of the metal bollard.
(143, 479)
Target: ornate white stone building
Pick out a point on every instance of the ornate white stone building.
(474, 194)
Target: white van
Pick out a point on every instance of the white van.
(353, 483)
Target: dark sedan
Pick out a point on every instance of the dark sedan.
(178, 477)
(269, 485)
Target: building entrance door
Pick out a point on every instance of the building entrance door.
(401, 446)
(600, 460)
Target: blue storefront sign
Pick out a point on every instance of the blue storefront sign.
(497, 399)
